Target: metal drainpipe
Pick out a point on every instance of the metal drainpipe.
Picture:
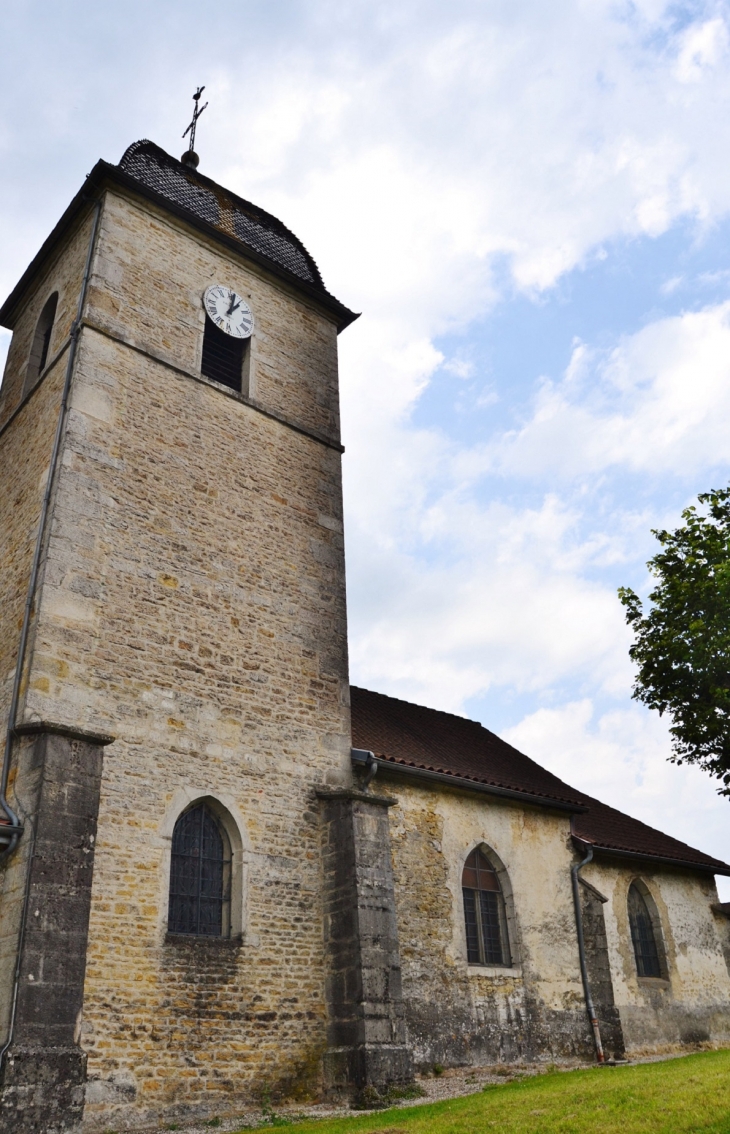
(15, 829)
(372, 770)
(574, 872)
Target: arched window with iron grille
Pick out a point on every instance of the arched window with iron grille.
(487, 940)
(200, 875)
(647, 950)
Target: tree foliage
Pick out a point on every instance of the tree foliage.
(682, 643)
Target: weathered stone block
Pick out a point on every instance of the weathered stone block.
(42, 1076)
(366, 1032)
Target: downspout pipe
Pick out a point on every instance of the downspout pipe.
(574, 875)
(11, 830)
(363, 756)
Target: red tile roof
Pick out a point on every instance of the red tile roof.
(606, 827)
(441, 742)
(420, 739)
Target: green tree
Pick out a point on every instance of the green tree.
(682, 643)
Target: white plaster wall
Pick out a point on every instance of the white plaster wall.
(536, 1007)
(693, 1004)
(533, 1008)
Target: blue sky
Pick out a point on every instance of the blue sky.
(530, 204)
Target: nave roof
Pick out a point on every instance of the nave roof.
(413, 739)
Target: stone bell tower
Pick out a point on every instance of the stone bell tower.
(173, 659)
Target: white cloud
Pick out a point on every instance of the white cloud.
(702, 46)
(656, 403)
(620, 757)
(671, 285)
(489, 597)
(460, 367)
(4, 345)
(415, 159)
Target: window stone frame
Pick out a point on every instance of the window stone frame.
(226, 813)
(657, 929)
(513, 936)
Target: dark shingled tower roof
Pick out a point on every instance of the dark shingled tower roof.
(146, 169)
(207, 201)
(412, 737)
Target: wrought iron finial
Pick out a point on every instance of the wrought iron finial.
(190, 157)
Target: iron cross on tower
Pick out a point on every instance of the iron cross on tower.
(190, 157)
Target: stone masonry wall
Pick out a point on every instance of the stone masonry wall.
(25, 451)
(193, 606)
(154, 301)
(461, 1014)
(63, 274)
(598, 964)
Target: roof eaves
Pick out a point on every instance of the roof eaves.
(708, 866)
(465, 783)
(105, 172)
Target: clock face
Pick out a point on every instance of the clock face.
(228, 311)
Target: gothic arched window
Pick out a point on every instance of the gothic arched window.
(643, 935)
(41, 341)
(200, 876)
(487, 942)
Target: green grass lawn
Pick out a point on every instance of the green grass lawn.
(678, 1096)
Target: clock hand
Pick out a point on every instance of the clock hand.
(235, 303)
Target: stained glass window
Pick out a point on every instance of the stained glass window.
(200, 876)
(487, 942)
(642, 935)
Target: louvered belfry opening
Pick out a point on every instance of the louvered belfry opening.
(487, 942)
(222, 356)
(643, 937)
(200, 876)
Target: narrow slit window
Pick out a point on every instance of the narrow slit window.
(487, 942)
(223, 356)
(643, 937)
(41, 341)
(200, 876)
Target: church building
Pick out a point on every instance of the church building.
(226, 874)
